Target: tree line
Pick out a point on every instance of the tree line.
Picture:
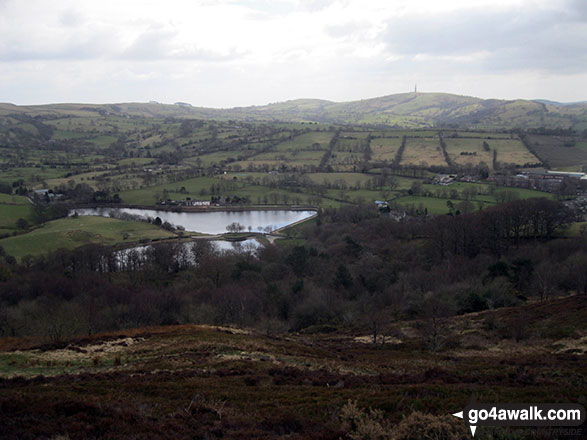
(355, 268)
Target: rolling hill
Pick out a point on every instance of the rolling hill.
(399, 110)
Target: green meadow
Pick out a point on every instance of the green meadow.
(436, 203)
(148, 196)
(420, 151)
(70, 233)
(306, 141)
(11, 209)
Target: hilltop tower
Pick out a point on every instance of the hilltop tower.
(415, 88)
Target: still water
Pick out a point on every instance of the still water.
(214, 222)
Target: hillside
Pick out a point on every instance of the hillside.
(401, 110)
(193, 381)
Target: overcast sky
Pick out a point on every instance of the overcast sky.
(223, 53)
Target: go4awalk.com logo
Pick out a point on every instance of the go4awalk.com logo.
(521, 414)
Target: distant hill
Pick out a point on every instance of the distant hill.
(400, 110)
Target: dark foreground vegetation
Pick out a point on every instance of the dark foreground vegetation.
(186, 381)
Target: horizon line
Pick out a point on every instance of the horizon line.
(152, 101)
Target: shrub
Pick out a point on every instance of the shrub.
(361, 425)
(419, 426)
(21, 223)
(371, 425)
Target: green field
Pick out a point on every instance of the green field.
(11, 209)
(34, 176)
(512, 151)
(434, 206)
(148, 196)
(481, 195)
(576, 229)
(298, 156)
(354, 179)
(474, 134)
(306, 141)
(384, 149)
(136, 161)
(213, 158)
(246, 175)
(70, 233)
(349, 179)
(14, 199)
(354, 134)
(422, 152)
(262, 195)
(343, 161)
(63, 134)
(257, 194)
(488, 190)
(509, 151)
(474, 149)
(360, 196)
(560, 152)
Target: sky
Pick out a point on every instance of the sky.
(227, 53)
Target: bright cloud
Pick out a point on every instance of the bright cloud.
(225, 52)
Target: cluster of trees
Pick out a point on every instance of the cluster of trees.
(355, 268)
(5, 188)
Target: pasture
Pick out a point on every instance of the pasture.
(354, 134)
(307, 141)
(33, 176)
(432, 205)
(70, 233)
(213, 158)
(13, 208)
(342, 161)
(560, 151)
(149, 196)
(348, 179)
(512, 151)
(384, 149)
(423, 152)
(472, 149)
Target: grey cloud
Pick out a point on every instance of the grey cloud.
(153, 45)
(578, 9)
(72, 50)
(514, 40)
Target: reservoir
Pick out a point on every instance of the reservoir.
(214, 222)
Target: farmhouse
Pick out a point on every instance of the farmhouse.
(44, 194)
(571, 175)
(197, 202)
(444, 179)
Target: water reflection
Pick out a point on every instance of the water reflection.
(180, 255)
(214, 222)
